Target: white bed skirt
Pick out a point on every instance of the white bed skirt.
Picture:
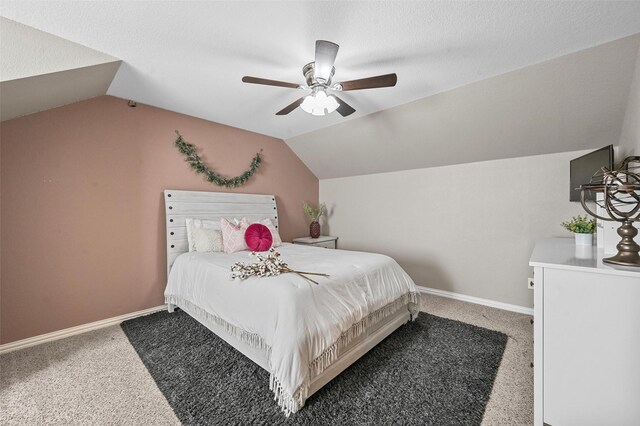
(352, 344)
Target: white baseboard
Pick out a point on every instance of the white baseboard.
(476, 300)
(67, 332)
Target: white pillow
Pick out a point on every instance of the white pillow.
(193, 224)
(207, 240)
(277, 241)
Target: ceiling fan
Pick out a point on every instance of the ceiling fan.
(318, 75)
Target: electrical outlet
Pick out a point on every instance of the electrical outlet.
(530, 283)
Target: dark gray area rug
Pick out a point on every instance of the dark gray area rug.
(433, 371)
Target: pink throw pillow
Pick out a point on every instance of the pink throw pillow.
(233, 236)
(258, 237)
(275, 236)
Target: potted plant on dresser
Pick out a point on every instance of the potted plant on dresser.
(583, 229)
(314, 215)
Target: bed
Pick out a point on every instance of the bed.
(303, 334)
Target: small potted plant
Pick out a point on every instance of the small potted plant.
(583, 228)
(314, 215)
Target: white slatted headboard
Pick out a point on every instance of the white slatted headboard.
(180, 205)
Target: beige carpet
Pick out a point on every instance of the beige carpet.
(97, 378)
(511, 401)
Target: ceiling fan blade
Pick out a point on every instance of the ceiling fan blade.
(387, 80)
(326, 53)
(286, 110)
(267, 82)
(344, 109)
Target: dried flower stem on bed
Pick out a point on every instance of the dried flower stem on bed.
(268, 266)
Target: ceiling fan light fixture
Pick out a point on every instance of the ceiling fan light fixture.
(318, 103)
(318, 75)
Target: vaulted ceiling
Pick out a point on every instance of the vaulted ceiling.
(462, 67)
(574, 102)
(190, 56)
(40, 71)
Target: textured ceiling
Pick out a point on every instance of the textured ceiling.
(40, 71)
(190, 56)
(27, 52)
(574, 102)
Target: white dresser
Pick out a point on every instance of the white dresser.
(586, 337)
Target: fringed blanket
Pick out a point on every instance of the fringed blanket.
(301, 327)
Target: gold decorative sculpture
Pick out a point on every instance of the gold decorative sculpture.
(621, 201)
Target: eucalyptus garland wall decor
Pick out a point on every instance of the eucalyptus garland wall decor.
(191, 153)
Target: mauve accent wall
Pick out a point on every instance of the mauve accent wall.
(82, 213)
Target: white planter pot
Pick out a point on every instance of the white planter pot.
(584, 252)
(584, 239)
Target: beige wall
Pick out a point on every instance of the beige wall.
(82, 217)
(630, 135)
(466, 228)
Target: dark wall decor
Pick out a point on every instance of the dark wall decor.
(191, 153)
(621, 202)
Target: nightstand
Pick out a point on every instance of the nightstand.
(324, 241)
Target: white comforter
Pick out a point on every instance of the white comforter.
(297, 323)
